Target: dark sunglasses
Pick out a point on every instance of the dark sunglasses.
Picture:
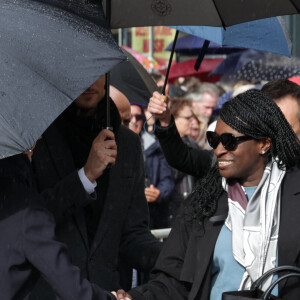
(228, 140)
(138, 117)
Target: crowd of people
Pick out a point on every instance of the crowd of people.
(76, 211)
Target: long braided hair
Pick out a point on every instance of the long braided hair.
(254, 114)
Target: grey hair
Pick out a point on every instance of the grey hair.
(205, 88)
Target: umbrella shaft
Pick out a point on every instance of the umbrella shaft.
(170, 62)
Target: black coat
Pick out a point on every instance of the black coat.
(189, 160)
(28, 244)
(123, 228)
(183, 269)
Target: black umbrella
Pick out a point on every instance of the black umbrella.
(133, 80)
(135, 13)
(270, 67)
(50, 52)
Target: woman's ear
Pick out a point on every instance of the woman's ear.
(265, 145)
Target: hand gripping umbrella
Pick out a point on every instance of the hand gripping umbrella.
(50, 52)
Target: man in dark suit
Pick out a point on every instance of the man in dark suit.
(29, 247)
(109, 219)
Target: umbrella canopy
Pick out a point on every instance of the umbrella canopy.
(266, 35)
(133, 13)
(48, 56)
(235, 61)
(186, 68)
(268, 68)
(132, 79)
(192, 45)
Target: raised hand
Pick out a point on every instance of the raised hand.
(158, 105)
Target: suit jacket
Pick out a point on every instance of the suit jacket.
(28, 244)
(123, 228)
(183, 269)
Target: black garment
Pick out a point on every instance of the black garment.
(195, 162)
(158, 173)
(80, 130)
(122, 230)
(183, 268)
(28, 244)
(184, 184)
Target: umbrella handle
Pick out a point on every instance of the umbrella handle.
(170, 62)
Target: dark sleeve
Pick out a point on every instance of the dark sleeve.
(166, 282)
(61, 196)
(51, 259)
(138, 246)
(65, 196)
(166, 182)
(195, 162)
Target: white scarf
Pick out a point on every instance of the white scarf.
(255, 229)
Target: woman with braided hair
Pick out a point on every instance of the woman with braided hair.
(243, 217)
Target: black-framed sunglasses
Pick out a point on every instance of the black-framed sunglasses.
(138, 117)
(228, 140)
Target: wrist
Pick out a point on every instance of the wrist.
(89, 175)
(165, 122)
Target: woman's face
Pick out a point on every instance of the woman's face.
(246, 163)
(183, 120)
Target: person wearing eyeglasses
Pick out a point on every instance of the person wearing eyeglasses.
(181, 109)
(242, 219)
(159, 182)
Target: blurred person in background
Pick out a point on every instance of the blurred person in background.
(205, 98)
(181, 109)
(159, 181)
(122, 104)
(286, 94)
(198, 128)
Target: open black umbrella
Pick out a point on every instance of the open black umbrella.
(50, 52)
(270, 67)
(135, 13)
(133, 80)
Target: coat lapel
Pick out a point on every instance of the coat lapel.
(62, 158)
(205, 244)
(117, 192)
(289, 233)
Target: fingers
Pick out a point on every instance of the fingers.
(157, 103)
(104, 135)
(103, 152)
(152, 193)
(122, 295)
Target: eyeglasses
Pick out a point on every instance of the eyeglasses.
(138, 117)
(189, 118)
(228, 140)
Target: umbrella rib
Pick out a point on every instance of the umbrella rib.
(218, 12)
